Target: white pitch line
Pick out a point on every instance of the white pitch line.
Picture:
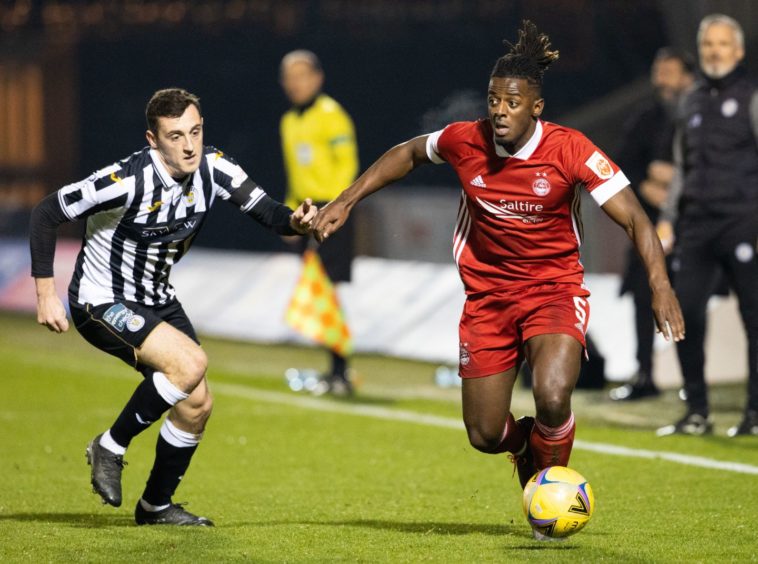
(234, 390)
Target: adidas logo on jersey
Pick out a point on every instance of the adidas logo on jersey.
(478, 181)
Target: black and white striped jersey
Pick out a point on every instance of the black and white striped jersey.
(140, 222)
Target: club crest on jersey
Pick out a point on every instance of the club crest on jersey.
(598, 164)
(541, 185)
(189, 197)
(744, 252)
(465, 358)
(729, 107)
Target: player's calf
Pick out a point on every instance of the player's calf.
(523, 459)
(493, 439)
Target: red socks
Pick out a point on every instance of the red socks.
(551, 446)
(513, 439)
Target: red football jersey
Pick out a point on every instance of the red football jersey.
(518, 222)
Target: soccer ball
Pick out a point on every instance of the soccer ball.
(558, 502)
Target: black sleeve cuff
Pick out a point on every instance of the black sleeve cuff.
(45, 219)
(274, 215)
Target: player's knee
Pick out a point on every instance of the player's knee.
(483, 439)
(194, 363)
(553, 407)
(203, 411)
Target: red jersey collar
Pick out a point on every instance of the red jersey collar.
(526, 151)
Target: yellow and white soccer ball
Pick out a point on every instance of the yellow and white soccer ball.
(558, 502)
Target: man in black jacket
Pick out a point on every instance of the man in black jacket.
(716, 199)
(645, 156)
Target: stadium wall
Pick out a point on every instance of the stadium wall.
(400, 308)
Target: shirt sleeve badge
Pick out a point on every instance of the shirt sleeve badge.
(598, 164)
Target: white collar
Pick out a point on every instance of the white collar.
(167, 180)
(526, 151)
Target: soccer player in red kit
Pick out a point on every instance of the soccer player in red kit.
(516, 246)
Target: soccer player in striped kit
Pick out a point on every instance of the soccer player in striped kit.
(516, 246)
(142, 215)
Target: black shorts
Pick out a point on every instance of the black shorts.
(336, 252)
(120, 328)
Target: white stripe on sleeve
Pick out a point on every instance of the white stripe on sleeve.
(608, 189)
(431, 147)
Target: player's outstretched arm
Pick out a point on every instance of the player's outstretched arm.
(45, 219)
(390, 167)
(625, 209)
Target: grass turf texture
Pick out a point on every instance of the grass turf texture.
(288, 483)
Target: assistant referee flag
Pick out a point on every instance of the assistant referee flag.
(314, 310)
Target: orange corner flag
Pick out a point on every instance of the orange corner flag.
(314, 310)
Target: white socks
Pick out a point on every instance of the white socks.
(107, 442)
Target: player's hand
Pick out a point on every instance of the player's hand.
(665, 232)
(330, 219)
(668, 314)
(51, 313)
(302, 218)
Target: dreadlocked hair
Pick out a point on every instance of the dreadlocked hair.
(529, 58)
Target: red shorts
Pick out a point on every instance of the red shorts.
(494, 327)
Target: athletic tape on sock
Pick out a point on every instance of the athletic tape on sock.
(170, 393)
(555, 433)
(178, 438)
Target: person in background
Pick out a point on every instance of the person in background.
(714, 200)
(645, 156)
(321, 159)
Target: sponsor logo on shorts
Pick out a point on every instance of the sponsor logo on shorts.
(598, 164)
(119, 316)
(580, 309)
(464, 355)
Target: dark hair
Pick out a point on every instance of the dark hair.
(169, 102)
(687, 60)
(529, 58)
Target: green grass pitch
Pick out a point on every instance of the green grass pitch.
(289, 478)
